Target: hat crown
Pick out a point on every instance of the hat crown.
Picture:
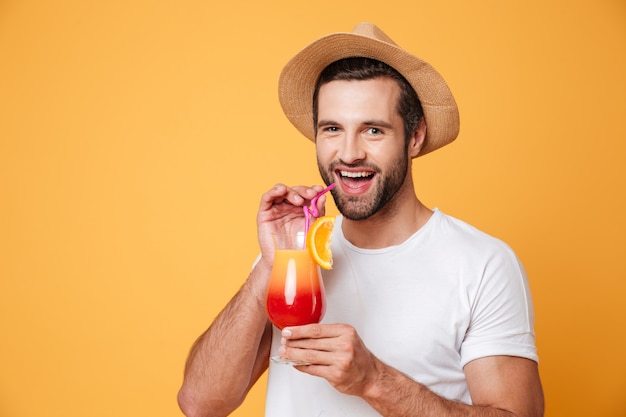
(372, 31)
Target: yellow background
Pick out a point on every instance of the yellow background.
(137, 136)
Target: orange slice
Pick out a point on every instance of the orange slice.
(318, 241)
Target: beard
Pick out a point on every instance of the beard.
(385, 188)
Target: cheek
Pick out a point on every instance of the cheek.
(323, 155)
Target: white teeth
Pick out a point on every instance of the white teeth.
(355, 174)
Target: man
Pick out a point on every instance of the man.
(426, 315)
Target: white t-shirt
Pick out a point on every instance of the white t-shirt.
(446, 296)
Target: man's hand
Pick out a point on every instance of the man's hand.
(280, 211)
(335, 352)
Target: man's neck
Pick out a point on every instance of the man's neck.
(387, 227)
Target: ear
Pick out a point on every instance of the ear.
(417, 139)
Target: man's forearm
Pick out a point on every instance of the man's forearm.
(394, 394)
(225, 361)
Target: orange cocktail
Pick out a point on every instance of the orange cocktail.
(295, 293)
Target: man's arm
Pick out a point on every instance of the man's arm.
(505, 386)
(230, 356)
(500, 386)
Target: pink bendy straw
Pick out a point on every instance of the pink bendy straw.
(313, 211)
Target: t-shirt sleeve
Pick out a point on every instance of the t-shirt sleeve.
(502, 317)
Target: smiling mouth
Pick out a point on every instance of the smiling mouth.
(355, 180)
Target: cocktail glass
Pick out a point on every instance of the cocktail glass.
(295, 293)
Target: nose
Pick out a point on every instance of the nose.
(351, 149)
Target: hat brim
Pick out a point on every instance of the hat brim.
(298, 78)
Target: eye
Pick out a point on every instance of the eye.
(331, 129)
(374, 131)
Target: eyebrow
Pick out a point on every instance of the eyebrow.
(380, 123)
(326, 122)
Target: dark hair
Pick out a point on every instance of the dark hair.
(360, 68)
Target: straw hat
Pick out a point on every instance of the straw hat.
(297, 81)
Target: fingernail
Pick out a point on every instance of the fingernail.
(282, 350)
(286, 332)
